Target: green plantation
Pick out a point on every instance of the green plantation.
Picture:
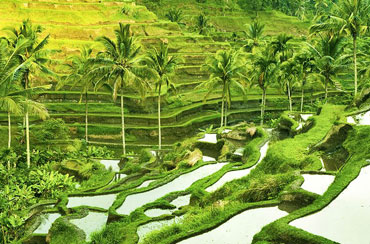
(193, 121)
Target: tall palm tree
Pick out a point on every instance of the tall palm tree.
(163, 66)
(120, 66)
(351, 17)
(289, 72)
(263, 71)
(226, 69)
(329, 58)
(32, 62)
(304, 62)
(254, 33)
(79, 67)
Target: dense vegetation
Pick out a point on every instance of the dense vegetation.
(158, 72)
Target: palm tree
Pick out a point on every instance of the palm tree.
(79, 68)
(329, 59)
(226, 70)
(304, 63)
(254, 33)
(289, 73)
(163, 66)
(281, 47)
(120, 66)
(202, 24)
(32, 60)
(351, 17)
(263, 71)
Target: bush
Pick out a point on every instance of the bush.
(52, 129)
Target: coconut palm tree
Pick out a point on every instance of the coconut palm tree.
(329, 58)
(120, 66)
(226, 70)
(289, 72)
(254, 34)
(304, 63)
(163, 66)
(282, 47)
(79, 67)
(350, 17)
(263, 72)
(32, 62)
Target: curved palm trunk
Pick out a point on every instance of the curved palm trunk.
(9, 136)
(355, 62)
(159, 119)
(123, 126)
(86, 118)
(289, 98)
(263, 105)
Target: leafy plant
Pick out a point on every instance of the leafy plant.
(175, 15)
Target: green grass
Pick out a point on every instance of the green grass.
(293, 153)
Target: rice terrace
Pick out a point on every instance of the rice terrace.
(188, 122)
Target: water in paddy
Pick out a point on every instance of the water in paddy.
(46, 221)
(317, 183)
(240, 229)
(145, 183)
(113, 164)
(143, 230)
(101, 201)
(157, 212)
(363, 119)
(346, 218)
(182, 182)
(305, 117)
(208, 159)
(91, 223)
(178, 202)
(181, 201)
(236, 174)
(210, 138)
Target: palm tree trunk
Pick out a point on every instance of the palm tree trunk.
(9, 136)
(289, 97)
(86, 118)
(326, 90)
(223, 107)
(123, 126)
(302, 98)
(355, 62)
(28, 139)
(159, 119)
(27, 125)
(263, 105)
(225, 120)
